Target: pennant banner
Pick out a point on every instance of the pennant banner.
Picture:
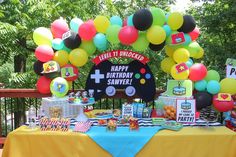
(121, 53)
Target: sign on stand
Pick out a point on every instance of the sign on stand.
(186, 109)
(231, 68)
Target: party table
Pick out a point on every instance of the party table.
(190, 141)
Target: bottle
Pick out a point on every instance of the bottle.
(32, 117)
(41, 113)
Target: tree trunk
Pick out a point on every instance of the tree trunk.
(19, 109)
(20, 63)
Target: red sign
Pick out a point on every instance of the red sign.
(181, 67)
(178, 38)
(120, 53)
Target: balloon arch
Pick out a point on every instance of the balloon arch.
(154, 29)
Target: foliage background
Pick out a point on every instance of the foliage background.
(18, 18)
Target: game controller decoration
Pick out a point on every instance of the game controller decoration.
(134, 78)
(177, 38)
(69, 72)
(51, 69)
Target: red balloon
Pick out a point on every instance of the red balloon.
(90, 21)
(194, 34)
(43, 85)
(44, 53)
(59, 27)
(87, 30)
(128, 35)
(68, 74)
(223, 106)
(197, 72)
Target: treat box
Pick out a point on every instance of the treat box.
(68, 111)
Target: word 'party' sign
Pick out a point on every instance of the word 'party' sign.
(231, 68)
(186, 109)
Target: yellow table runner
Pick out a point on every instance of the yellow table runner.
(189, 142)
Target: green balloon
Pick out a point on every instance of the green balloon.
(112, 34)
(141, 43)
(59, 87)
(88, 46)
(193, 48)
(158, 16)
(212, 75)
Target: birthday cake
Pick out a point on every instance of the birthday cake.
(179, 90)
(186, 105)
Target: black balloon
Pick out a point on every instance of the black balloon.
(142, 19)
(157, 47)
(38, 67)
(188, 25)
(203, 99)
(72, 41)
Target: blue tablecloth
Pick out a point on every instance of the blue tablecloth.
(122, 142)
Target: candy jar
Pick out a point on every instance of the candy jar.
(84, 97)
(133, 124)
(91, 98)
(71, 98)
(78, 96)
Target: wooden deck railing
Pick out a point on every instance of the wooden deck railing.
(15, 102)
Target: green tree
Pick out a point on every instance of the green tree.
(217, 22)
(20, 18)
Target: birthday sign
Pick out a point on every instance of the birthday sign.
(231, 68)
(185, 110)
(120, 53)
(135, 78)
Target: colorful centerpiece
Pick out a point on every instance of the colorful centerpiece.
(133, 124)
(111, 125)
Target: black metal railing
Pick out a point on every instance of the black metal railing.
(15, 103)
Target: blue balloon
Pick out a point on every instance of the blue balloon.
(213, 87)
(75, 24)
(130, 20)
(200, 85)
(66, 48)
(116, 20)
(100, 41)
(190, 60)
(188, 39)
(167, 29)
(57, 44)
(189, 63)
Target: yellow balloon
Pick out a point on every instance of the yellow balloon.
(179, 76)
(101, 24)
(181, 55)
(167, 64)
(78, 57)
(70, 84)
(61, 57)
(228, 85)
(175, 20)
(156, 35)
(199, 54)
(169, 50)
(42, 36)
